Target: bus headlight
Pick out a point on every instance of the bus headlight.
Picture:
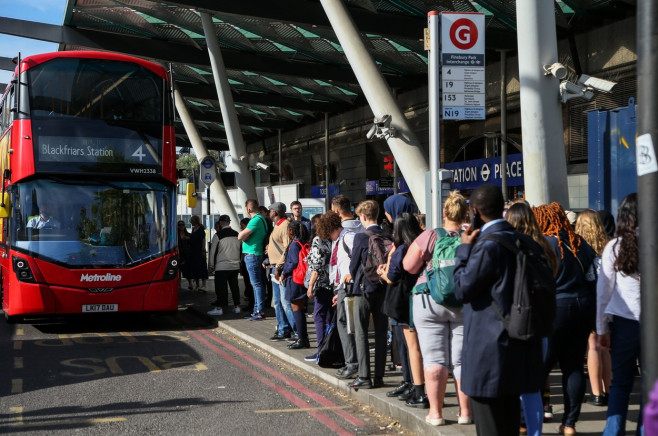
(22, 269)
(172, 268)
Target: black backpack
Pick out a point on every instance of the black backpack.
(533, 307)
(379, 244)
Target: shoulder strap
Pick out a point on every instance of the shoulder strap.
(277, 247)
(346, 248)
(505, 242)
(574, 255)
(441, 232)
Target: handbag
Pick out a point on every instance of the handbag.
(330, 349)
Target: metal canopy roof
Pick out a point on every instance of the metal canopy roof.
(284, 62)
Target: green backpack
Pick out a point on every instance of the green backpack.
(439, 278)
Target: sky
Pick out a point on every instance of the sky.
(42, 11)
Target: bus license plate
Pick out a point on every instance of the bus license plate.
(100, 307)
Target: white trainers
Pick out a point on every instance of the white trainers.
(216, 312)
(236, 309)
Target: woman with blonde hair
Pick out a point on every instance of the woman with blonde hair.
(575, 308)
(590, 227)
(440, 328)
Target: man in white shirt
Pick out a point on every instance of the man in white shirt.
(43, 220)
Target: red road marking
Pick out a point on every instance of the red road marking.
(306, 391)
(324, 419)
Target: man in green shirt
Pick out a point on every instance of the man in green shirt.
(252, 238)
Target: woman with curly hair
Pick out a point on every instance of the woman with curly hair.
(575, 304)
(590, 227)
(618, 313)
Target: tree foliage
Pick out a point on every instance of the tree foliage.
(187, 162)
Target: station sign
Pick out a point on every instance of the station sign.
(462, 65)
(208, 170)
(321, 191)
(373, 188)
(473, 173)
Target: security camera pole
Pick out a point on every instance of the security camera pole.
(647, 184)
(544, 162)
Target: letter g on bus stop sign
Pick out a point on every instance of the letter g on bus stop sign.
(463, 34)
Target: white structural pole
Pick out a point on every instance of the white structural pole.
(237, 148)
(435, 126)
(217, 188)
(544, 161)
(404, 144)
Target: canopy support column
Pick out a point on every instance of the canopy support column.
(544, 162)
(404, 144)
(237, 147)
(217, 188)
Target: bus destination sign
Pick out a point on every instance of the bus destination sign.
(131, 155)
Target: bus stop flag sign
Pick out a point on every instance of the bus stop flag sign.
(207, 170)
(462, 66)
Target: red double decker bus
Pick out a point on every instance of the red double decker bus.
(87, 208)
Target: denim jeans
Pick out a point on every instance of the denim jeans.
(254, 264)
(624, 352)
(282, 309)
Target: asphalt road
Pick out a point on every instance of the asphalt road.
(167, 375)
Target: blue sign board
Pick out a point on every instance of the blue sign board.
(473, 173)
(372, 187)
(321, 191)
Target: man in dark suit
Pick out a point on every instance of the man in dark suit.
(369, 301)
(495, 368)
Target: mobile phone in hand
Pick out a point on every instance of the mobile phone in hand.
(476, 222)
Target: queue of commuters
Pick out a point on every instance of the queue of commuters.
(448, 292)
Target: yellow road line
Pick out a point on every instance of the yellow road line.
(307, 409)
(18, 362)
(68, 422)
(17, 386)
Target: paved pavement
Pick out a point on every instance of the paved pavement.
(257, 333)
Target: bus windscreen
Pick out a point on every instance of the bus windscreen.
(92, 222)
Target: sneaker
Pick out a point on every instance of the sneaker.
(256, 317)
(311, 358)
(548, 412)
(236, 309)
(280, 337)
(216, 312)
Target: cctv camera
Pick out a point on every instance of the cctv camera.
(596, 83)
(570, 90)
(384, 121)
(557, 70)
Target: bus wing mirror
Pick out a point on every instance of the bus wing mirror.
(190, 195)
(4, 206)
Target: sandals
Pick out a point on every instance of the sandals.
(565, 430)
